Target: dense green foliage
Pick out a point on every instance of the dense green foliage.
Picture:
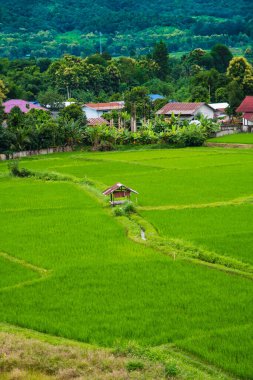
(52, 28)
(112, 289)
(213, 76)
(198, 76)
(37, 130)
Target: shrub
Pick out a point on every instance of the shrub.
(118, 211)
(134, 365)
(104, 146)
(16, 172)
(171, 370)
(129, 207)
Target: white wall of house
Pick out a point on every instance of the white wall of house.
(205, 111)
(247, 126)
(92, 113)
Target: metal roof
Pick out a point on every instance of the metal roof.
(246, 105)
(105, 106)
(95, 121)
(181, 108)
(118, 186)
(154, 97)
(219, 106)
(248, 116)
(23, 105)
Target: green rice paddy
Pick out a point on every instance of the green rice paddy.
(226, 230)
(71, 271)
(238, 138)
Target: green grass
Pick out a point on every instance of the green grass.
(238, 138)
(105, 289)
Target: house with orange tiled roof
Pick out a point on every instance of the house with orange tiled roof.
(246, 108)
(96, 110)
(187, 111)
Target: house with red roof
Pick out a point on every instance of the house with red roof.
(96, 110)
(23, 105)
(187, 111)
(246, 108)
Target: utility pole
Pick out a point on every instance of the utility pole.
(100, 43)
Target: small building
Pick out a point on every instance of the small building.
(154, 97)
(95, 122)
(187, 111)
(119, 193)
(23, 105)
(220, 111)
(96, 110)
(246, 108)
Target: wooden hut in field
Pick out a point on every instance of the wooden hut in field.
(119, 193)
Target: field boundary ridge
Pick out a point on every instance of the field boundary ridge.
(43, 273)
(228, 145)
(233, 202)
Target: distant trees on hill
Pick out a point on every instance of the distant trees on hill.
(51, 29)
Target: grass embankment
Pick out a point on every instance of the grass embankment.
(237, 138)
(29, 355)
(112, 290)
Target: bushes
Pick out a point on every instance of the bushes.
(16, 172)
(126, 209)
(104, 138)
(134, 365)
(192, 135)
(37, 130)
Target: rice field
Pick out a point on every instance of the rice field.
(68, 268)
(226, 230)
(237, 138)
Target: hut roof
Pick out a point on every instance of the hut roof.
(118, 186)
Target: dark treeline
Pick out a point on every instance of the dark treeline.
(53, 28)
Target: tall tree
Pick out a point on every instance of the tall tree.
(161, 57)
(241, 71)
(221, 57)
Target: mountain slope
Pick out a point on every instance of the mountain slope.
(224, 20)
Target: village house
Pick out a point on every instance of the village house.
(220, 111)
(154, 97)
(246, 108)
(23, 105)
(96, 110)
(187, 111)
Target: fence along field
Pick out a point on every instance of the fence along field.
(101, 287)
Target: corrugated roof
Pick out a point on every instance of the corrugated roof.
(23, 105)
(118, 186)
(154, 97)
(246, 105)
(219, 106)
(97, 121)
(105, 106)
(180, 108)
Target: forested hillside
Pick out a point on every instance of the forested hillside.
(51, 28)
